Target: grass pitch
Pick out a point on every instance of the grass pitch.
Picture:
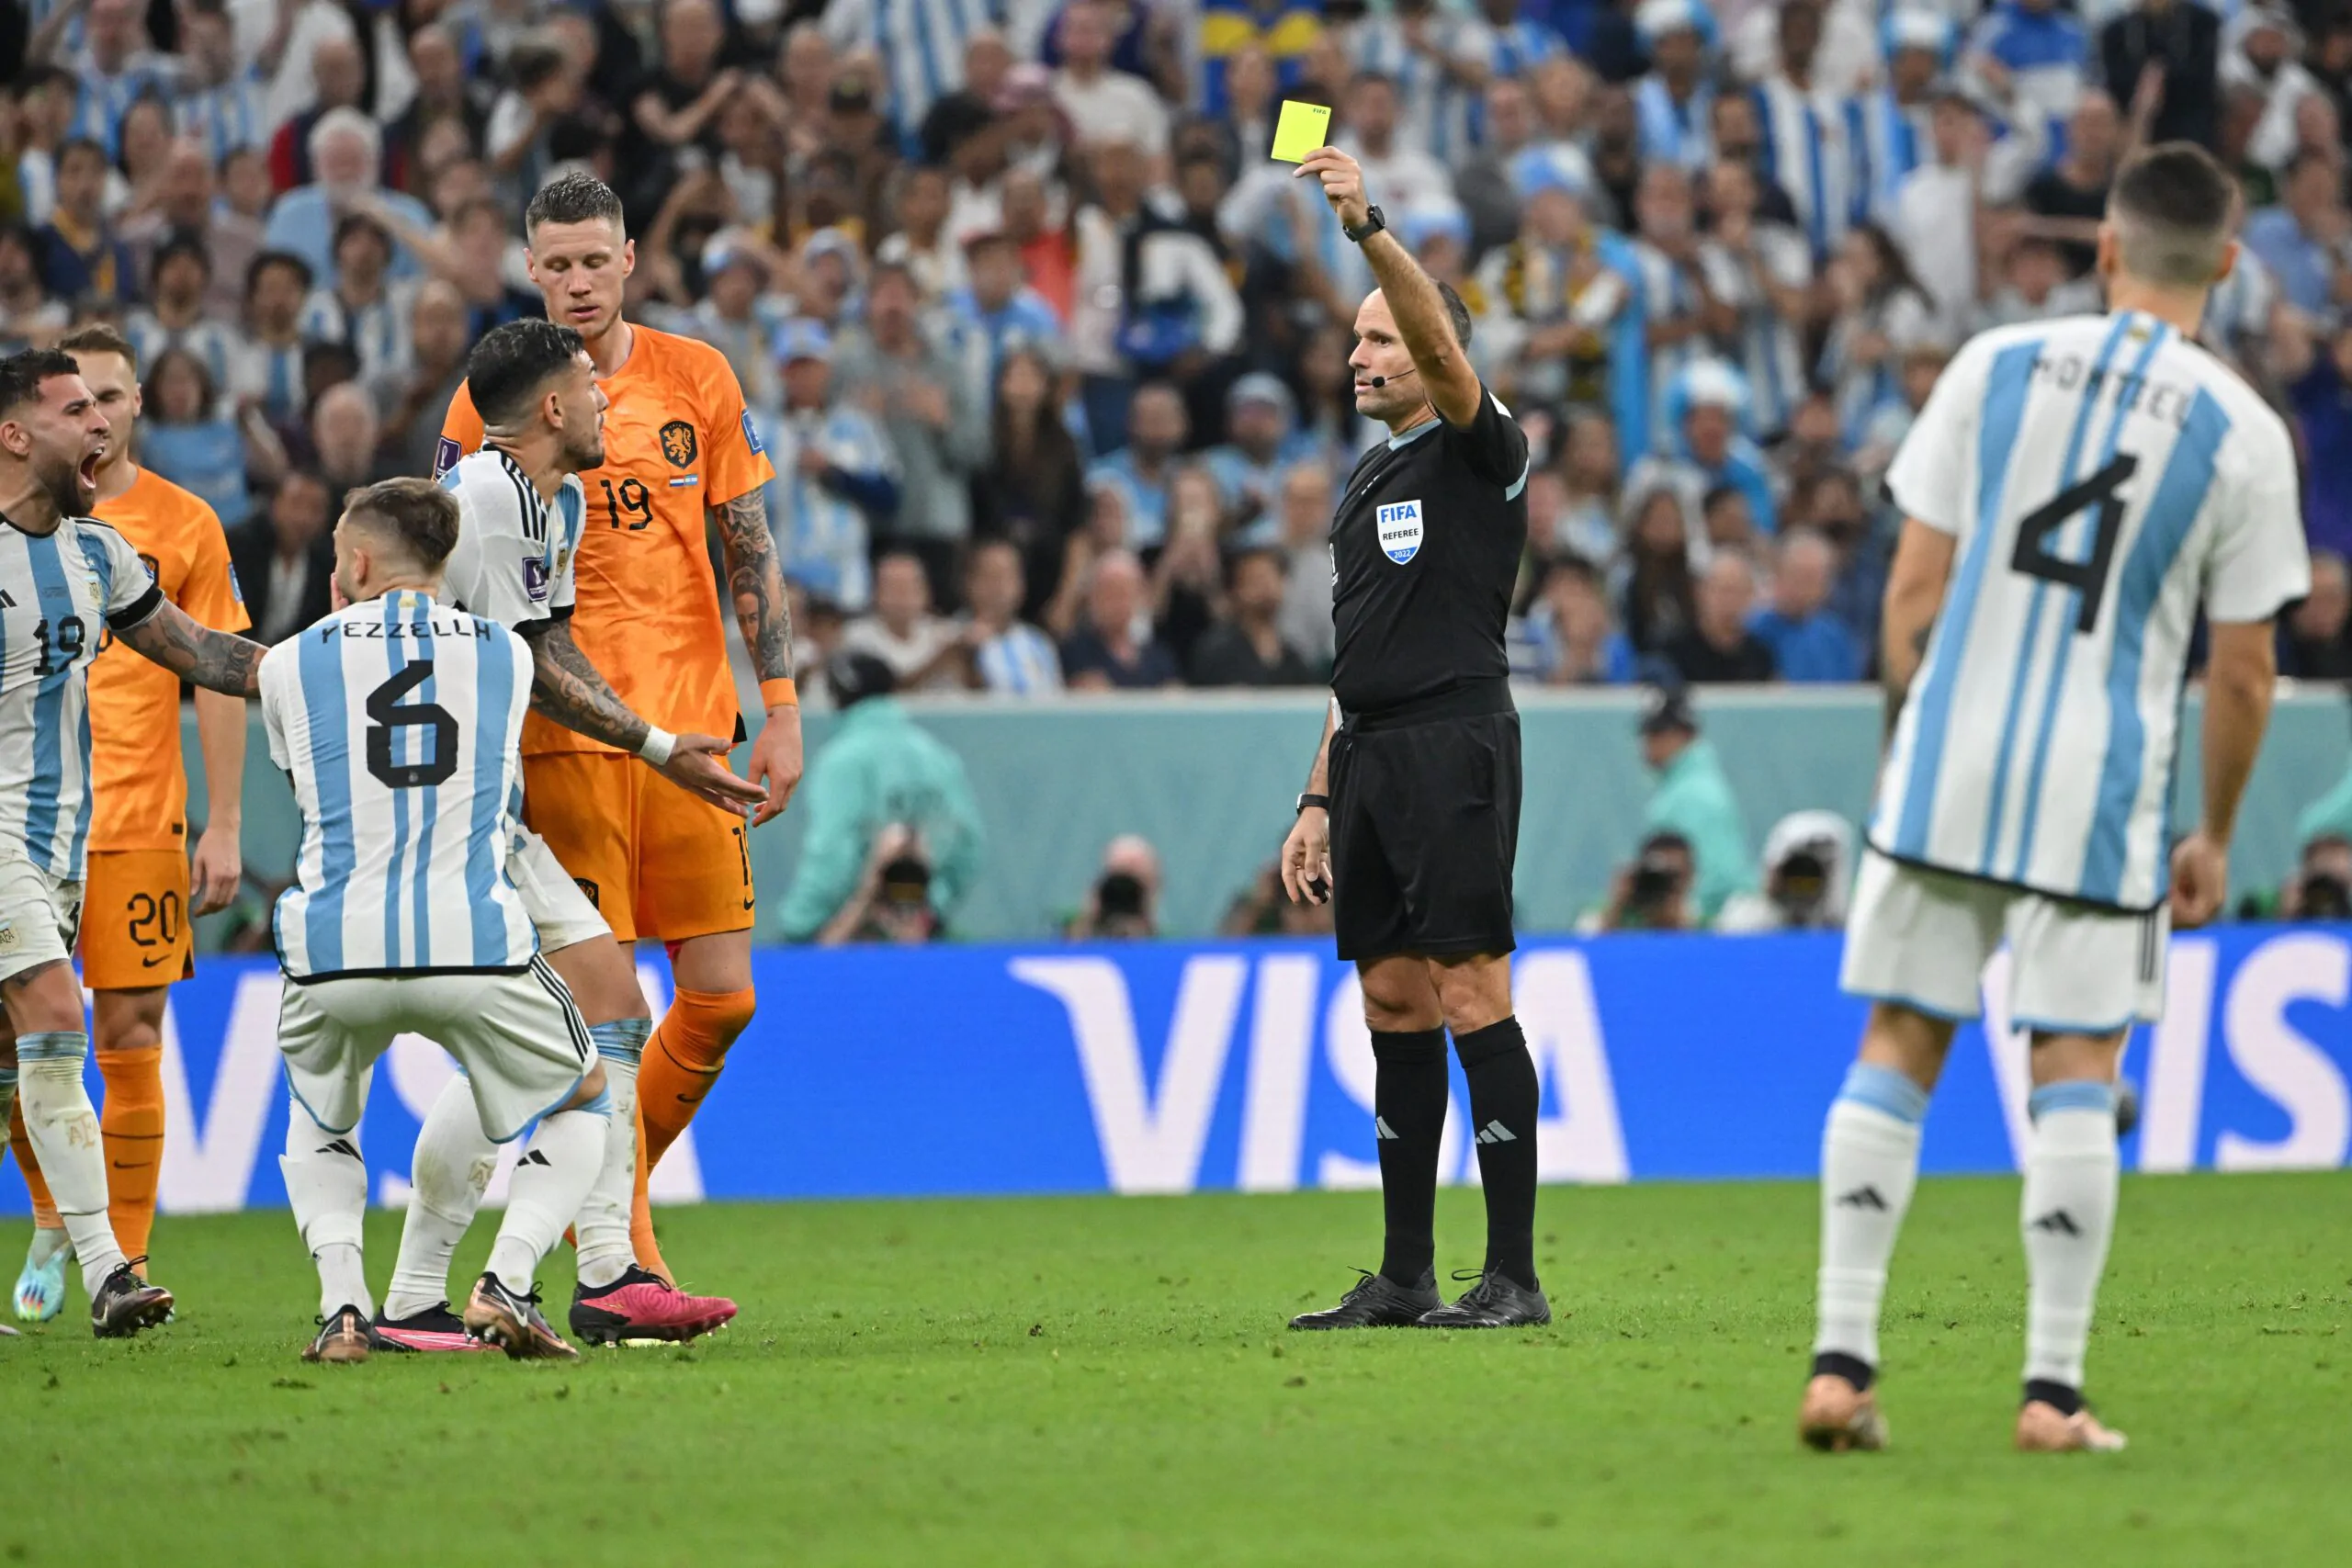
(1106, 1381)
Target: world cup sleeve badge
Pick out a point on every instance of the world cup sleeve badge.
(1399, 523)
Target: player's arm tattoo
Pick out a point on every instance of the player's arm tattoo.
(220, 661)
(570, 690)
(756, 583)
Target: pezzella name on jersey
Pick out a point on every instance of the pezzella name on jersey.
(454, 625)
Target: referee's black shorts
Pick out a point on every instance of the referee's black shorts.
(1424, 830)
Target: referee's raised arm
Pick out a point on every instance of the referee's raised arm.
(1422, 316)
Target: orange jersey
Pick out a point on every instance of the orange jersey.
(677, 442)
(140, 792)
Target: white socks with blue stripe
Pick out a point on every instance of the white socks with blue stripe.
(602, 1230)
(327, 1186)
(2068, 1218)
(1870, 1163)
(63, 1127)
(551, 1181)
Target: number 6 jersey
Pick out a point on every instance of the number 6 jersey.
(60, 593)
(2103, 479)
(400, 723)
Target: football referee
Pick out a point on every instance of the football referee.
(1410, 818)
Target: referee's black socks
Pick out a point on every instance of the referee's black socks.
(1503, 1099)
(1409, 1121)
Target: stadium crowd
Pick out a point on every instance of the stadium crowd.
(1050, 357)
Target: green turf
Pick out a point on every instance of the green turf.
(1105, 1381)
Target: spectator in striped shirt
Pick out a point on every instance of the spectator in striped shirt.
(220, 105)
(1005, 654)
(114, 66)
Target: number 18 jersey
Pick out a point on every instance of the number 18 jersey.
(2103, 479)
(60, 593)
(400, 721)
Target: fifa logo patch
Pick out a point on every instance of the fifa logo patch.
(1399, 523)
(751, 435)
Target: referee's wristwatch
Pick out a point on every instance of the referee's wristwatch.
(1320, 802)
(1375, 220)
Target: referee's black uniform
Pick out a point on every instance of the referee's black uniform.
(1422, 778)
(1424, 774)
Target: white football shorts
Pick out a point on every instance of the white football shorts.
(519, 1037)
(1921, 937)
(560, 912)
(38, 916)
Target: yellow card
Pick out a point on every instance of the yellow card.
(1300, 129)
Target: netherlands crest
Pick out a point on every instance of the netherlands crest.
(678, 443)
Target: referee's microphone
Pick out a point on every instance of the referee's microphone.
(1380, 381)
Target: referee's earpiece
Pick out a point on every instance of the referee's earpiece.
(1380, 381)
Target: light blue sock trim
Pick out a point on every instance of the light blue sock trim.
(53, 1045)
(600, 1106)
(1884, 1089)
(2074, 1094)
(623, 1039)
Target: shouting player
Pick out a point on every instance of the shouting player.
(66, 583)
(520, 506)
(400, 723)
(138, 897)
(2075, 493)
(680, 456)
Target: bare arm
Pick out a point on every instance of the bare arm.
(764, 616)
(1412, 294)
(573, 693)
(2239, 678)
(218, 865)
(218, 661)
(1307, 853)
(1915, 595)
(756, 584)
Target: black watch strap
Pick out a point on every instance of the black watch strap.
(1320, 801)
(1375, 220)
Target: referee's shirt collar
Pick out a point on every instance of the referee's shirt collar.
(1415, 433)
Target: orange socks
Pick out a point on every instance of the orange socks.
(682, 1061)
(44, 1206)
(130, 1122)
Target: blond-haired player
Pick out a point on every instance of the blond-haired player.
(681, 459)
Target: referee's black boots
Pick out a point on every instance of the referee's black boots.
(1378, 1301)
(1496, 1300)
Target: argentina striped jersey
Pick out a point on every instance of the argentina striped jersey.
(61, 594)
(515, 552)
(400, 722)
(2103, 479)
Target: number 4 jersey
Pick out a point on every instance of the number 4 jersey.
(400, 721)
(59, 592)
(2103, 480)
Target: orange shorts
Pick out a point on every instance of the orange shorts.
(655, 861)
(135, 921)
